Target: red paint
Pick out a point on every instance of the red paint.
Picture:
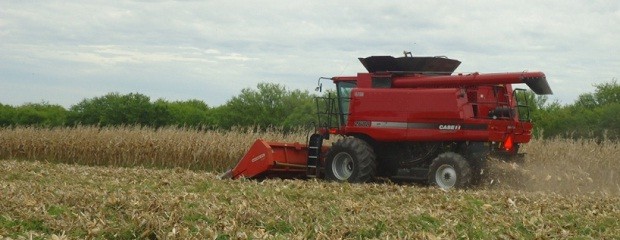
(265, 158)
(412, 106)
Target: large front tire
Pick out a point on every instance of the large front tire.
(350, 160)
(450, 170)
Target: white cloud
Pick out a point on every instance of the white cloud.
(210, 50)
(236, 57)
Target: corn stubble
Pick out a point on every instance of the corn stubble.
(72, 201)
(563, 189)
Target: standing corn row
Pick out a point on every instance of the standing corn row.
(135, 146)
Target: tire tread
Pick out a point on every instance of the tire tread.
(364, 157)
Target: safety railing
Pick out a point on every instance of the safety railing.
(328, 112)
(523, 107)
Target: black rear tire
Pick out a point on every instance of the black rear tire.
(350, 160)
(450, 170)
(477, 154)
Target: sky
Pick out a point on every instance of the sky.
(62, 52)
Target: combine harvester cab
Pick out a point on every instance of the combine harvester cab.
(407, 119)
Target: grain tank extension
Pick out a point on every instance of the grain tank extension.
(407, 118)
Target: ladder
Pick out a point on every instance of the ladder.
(314, 155)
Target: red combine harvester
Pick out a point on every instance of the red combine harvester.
(408, 118)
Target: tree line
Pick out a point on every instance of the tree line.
(268, 105)
(592, 115)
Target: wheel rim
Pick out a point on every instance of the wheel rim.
(445, 177)
(342, 166)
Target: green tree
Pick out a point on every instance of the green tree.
(609, 120)
(586, 101)
(117, 109)
(7, 115)
(267, 105)
(160, 114)
(607, 93)
(592, 115)
(301, 109)
(40, 114)
(190, 113)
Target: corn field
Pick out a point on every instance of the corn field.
(558, 165)
(60, 201)
(572, 166)
(131, 182)
(171, 147)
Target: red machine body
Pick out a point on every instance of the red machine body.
(419, 107)
(272, 159)
(407, 118)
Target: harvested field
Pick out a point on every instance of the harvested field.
(44, 200)
(563, 189)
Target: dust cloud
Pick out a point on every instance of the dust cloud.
(554, 175)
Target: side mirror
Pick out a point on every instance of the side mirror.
(319, 88)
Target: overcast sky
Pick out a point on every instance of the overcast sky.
(62, 52)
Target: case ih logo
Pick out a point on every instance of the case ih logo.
(257, 158)
(449, 127)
